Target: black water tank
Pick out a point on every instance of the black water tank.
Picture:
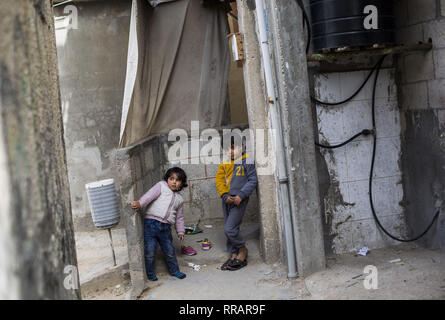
(341, 23)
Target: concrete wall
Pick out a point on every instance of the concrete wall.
(347, 212)
(293, 101)
(36, 230)
(92, 64)
(421, 79)
(271, 239)
(201, 200)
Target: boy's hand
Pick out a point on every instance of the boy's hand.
(181, 237)
(135, 205)
(237, 200)
(229, 200)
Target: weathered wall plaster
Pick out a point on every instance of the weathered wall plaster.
(346, 202)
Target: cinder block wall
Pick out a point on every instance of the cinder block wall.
(347, 214)
(418, 189)
(137, 168)
(201, 200)
(140, 167)
(421, 79)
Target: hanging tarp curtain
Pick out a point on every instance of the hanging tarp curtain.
(177, 69)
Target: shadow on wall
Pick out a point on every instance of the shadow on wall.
(423, 160)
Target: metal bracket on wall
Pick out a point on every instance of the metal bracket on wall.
(332, 56)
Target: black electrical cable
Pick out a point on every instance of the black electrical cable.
(356, 93)
(308, 25)
(372, 170)
(367, 132)
(364, 132)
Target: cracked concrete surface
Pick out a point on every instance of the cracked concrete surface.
(420, 274)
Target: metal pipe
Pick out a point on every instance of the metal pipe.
(112, 247)
(283, 190)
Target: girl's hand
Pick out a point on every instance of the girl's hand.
(181, 237)
(136, 205)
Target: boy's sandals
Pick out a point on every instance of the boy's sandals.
(226, 264)
(236, 264)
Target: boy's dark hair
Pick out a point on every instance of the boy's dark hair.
(234, 142)
(182, 176)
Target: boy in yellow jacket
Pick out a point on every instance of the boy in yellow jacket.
(235, 181)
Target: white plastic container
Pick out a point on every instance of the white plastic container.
(103, 203)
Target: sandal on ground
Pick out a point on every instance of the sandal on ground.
(226, 264)
(237, 264)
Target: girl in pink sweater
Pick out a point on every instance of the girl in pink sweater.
(164, 207)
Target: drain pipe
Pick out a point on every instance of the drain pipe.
(283, 190)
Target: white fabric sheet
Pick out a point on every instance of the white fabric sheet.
(182, 70)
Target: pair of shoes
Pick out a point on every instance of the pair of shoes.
(179, 275)
(206, 244)
(226, 264)
(237, 264)
(152, 277)
(188, 250)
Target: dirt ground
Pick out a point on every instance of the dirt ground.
(94, 255)
(403, 272)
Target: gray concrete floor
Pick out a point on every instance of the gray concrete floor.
(420, 274)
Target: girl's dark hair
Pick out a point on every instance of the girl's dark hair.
(181, 176)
